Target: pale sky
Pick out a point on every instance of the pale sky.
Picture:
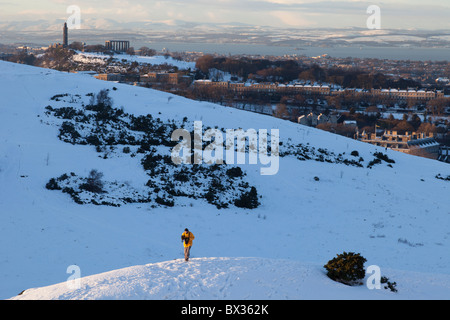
(398, 14)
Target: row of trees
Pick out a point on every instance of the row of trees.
(57, 58)
(288, 70)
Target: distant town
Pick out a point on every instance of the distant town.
(398, 104)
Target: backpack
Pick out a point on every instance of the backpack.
(186, 239)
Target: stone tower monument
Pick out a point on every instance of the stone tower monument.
(65, 36)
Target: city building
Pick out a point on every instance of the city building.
(444, 154)
(322, 90)
(109, 77)
(166, 77)
(418, 144)
(119, 77)
(312, 119)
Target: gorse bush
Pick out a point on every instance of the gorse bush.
(347, 268)
(379, 158)
(52, 185)
(235, 172)
(101, 100)
(115, 134)
(389, 285)
(383, 157)
(94, 182)
(438, 176)
(248, 200)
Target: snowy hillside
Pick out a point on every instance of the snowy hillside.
(324, 200)
(232, 278)
(90, 57)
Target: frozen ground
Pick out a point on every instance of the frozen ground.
(235, 279)
(397, 217)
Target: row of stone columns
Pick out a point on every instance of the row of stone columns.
(118, 45)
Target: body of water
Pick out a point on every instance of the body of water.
(395, 53)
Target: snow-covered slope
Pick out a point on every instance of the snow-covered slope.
(396, 217)
(88, 57)
(233, 278)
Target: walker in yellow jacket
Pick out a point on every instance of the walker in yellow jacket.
(187, 237)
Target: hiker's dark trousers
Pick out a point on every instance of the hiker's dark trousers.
(187, 252)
